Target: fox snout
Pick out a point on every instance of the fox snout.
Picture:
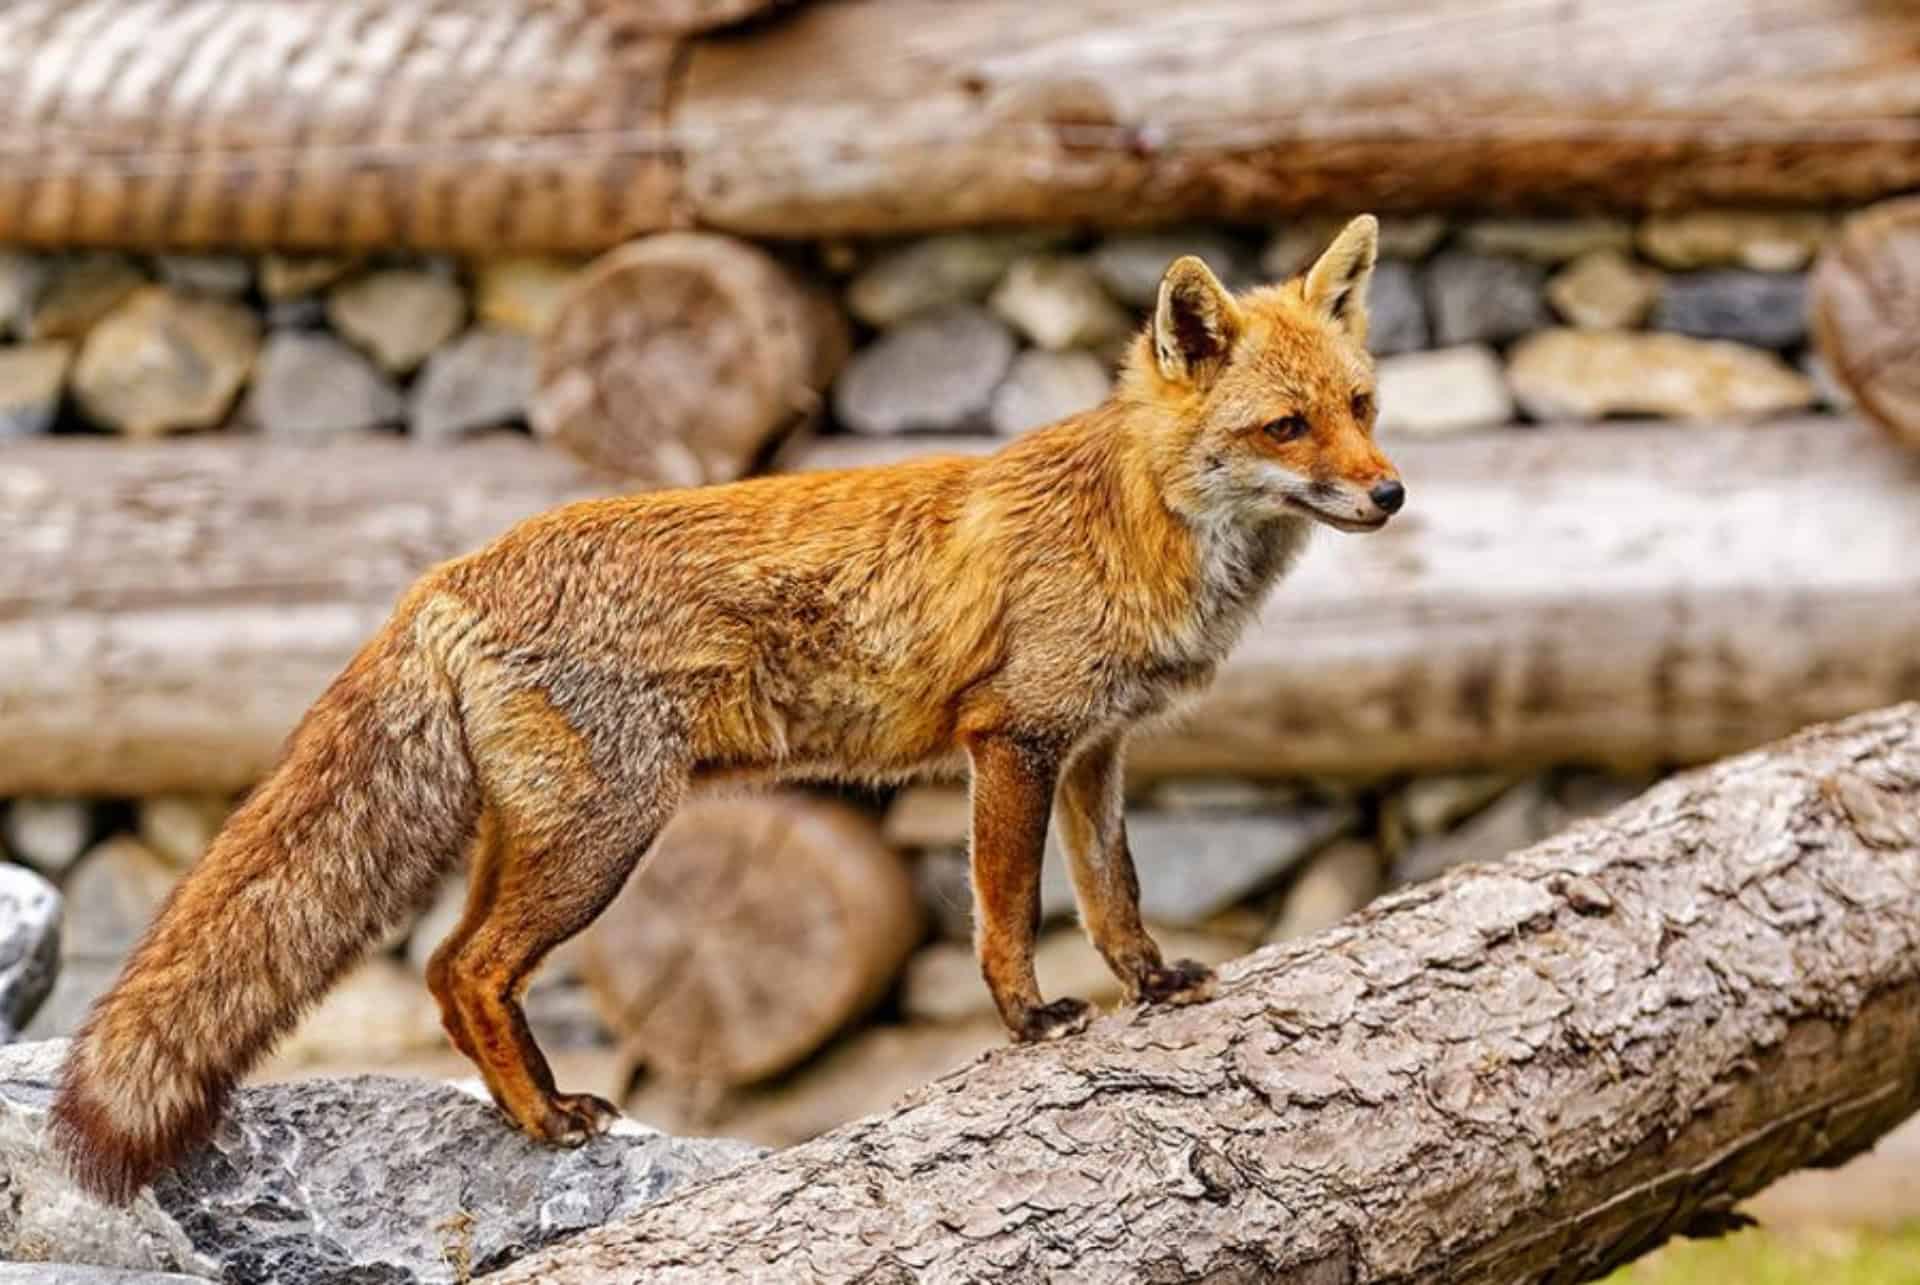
(1388, 496)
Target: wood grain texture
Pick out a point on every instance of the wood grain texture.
(510, 125)
(1529, 1070)
(1621, 593)
(469, 126)
(675, 360)
(895, 115)
(1866, 313)
(755, 930)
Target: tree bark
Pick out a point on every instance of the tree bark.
(677, 359)
(1529, 1070)
(756, 929)
(1866, 314)
(517, 125)
(1623, 594)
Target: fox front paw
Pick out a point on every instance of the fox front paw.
(1184, 981)
(1052, 1021)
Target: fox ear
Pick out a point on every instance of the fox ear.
(1336, 285)
(1194, 323)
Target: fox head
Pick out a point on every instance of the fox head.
(1272, 392)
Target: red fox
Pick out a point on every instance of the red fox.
(546, 702)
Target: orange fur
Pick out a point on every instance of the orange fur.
(548, 700)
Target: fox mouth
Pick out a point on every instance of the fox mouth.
(1337, 521)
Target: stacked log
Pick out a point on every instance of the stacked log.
(1866, 313)
(1625, 594)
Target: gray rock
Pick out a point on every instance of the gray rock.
(48, 833)
(301, 312)
(112, 897)
(22, 277)
(934, 373)
(178, 828)
(164, 361)
(335, 1182)
(483, 379)
(74, 1274)
(79, 981)
(1046, 386)
(29, 946)
(936, 272)
(1550, 240)
(1514, 820)
(399, 315)
(1765, 309)
(1480, 298)
(1057, 302)
(945, 890)
(1430, 804)
(1194, 865)
(1396, 312)
(310, 384)
(1130, 265)
(1337, 881)
(1442, 391)
(33, 377)
(1586, 374)
(1604, 290)
(79, 291)
(1765, 240)
(225, 276)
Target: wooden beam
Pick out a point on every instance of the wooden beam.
(1531, 1070)
(512, 125)
(1622, 593)
(903, 115)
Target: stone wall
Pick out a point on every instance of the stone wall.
(1477, 324)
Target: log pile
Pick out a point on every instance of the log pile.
(560, 125)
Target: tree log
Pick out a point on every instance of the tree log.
(1866, 314)
(1533, 1069)
(1618, 594)
(513, 125)
(481, 127)
(676, 17)
(755, 930)
(677, 359)
(897, 115)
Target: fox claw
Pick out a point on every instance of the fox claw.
(1184, 981)
(1052, 1021)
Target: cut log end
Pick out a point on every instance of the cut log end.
(756, 929)
(1866, 314)
(676, 360)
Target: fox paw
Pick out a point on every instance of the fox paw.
(1052, 1021)
(575, 1118)
(1182, 982)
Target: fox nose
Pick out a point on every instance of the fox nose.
(1389, 496)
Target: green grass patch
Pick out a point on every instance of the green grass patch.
(1784, 1256)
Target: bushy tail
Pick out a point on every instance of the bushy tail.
(372, 802)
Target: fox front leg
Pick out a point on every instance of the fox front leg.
(1094, 830)
(1012, 794)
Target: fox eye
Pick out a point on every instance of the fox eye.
(1362, 406)
(1287, 428)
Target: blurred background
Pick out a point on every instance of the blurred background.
(297, 299)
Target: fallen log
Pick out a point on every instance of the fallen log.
(677, 359)
(1534, 1069)
(754, 931)
(1617, 594)
(543, 125)
(1866, 314)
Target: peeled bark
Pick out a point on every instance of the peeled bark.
(1866, 314)
(678, 359)
(754, 931)
(1624, 594)
(1533, 1070)
(560, 125)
